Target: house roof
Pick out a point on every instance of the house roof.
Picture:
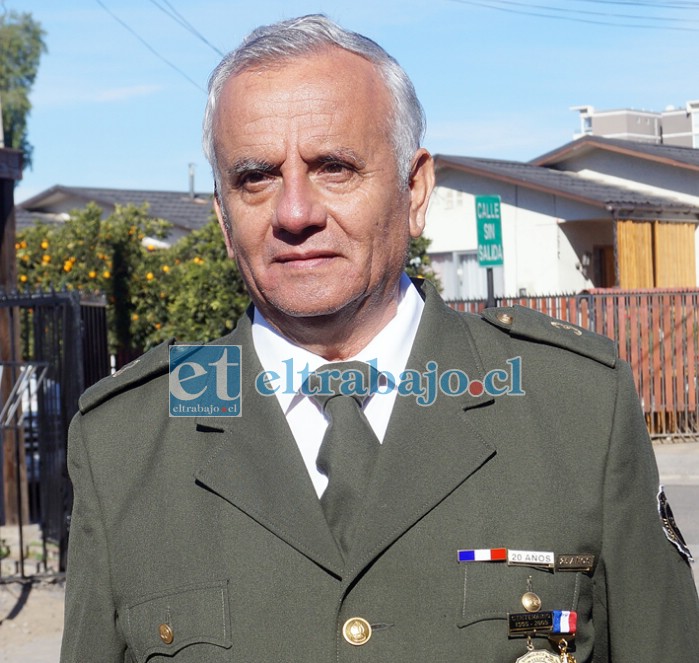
(568, 185)
(680, 157)
(178, 207)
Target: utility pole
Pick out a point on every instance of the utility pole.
(10, 172)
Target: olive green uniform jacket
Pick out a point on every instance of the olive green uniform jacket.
(202, 540)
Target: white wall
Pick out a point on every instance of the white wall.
(539, 257)
(451, 221)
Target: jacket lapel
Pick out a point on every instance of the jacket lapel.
(428, 451)
(258, 468)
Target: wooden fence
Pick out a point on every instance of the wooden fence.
(656, 331)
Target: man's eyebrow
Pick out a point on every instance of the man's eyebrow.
(248, 165)
(342, 154)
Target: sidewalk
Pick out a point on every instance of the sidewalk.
(678, 463)
(31, 622)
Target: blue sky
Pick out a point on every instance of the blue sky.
(494, 81)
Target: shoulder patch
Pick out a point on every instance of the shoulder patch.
(526, 323)
(672, 532)
(155, 362)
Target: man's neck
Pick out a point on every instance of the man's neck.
(340, 335)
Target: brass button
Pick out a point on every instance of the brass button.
(505, 318)
(531, 602)
(356, 631)
(166, 634)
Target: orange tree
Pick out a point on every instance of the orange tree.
(191, 291)
(201, 287)
(92, 254)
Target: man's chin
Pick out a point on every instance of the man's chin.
(308, 298)
(309, 311)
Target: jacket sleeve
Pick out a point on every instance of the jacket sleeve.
(90, 632)
(644, 587)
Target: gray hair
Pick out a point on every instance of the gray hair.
(286, 40)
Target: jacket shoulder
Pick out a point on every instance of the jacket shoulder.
(527, 324)
(153, 363)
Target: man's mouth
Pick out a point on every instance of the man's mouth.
(305, 258)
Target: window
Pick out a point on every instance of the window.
(463, 278)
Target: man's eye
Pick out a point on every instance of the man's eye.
(252, 178)
(337, 168)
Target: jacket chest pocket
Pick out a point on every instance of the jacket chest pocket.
(188, 624)
(491, 591)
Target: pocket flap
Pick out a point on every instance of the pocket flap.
(169, 621)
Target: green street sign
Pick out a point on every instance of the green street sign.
(489, 228)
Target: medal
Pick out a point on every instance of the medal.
(538, 655)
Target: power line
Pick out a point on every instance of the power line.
(570, 15)
(678, 4)
(587, 12)
(170, 11)
(149, 47)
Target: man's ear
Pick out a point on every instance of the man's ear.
(224, 224)
(421, 184)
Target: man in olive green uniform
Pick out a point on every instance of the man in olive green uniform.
(511, 510)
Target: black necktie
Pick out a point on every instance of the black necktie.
(349, 449)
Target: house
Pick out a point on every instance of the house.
(596, 212)
(673, 126)
(185, 211)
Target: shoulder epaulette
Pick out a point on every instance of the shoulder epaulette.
(526, 323)
(153, 363)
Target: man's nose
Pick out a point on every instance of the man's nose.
(299, 206)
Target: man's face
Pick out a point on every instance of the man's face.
(319, 221)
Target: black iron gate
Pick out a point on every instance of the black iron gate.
(52, 347)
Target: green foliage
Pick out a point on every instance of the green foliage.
(418, 262)
(21, 47)
(192, 291)
(89, 254)
(206, 294)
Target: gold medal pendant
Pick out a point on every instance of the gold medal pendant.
(537, 655)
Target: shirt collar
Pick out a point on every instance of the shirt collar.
(387, 351)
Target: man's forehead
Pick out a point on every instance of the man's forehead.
(328, 53)
(326, 97)
(333, 66)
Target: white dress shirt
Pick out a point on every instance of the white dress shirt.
(388, 351)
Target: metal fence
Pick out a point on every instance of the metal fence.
(656, 331)
(53, 346)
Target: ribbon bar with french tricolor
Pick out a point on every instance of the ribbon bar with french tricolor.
(483, 555)
(565, 621)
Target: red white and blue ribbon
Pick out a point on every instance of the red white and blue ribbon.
(564, 621)
(483, 555)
